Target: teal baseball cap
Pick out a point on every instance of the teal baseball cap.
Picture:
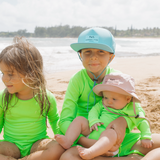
(98, 38)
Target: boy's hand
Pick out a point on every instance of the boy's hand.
(146, 143)
(95, 126)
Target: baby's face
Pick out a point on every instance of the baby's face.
(115, 100)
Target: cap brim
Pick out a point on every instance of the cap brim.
(98, 89)
(78, 46)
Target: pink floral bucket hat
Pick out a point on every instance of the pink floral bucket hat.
(119, 83)
(122, 84)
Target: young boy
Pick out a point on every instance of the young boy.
(117, 91)
(96, 49)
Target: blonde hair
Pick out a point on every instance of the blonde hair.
(26, 60)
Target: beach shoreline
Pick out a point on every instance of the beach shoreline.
(145, 71)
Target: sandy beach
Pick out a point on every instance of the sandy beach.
(145, 71)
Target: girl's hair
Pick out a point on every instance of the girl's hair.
(26, 60)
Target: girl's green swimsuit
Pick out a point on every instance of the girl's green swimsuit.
(24, 125)
(76, 104)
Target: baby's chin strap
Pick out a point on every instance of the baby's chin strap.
(134, 108)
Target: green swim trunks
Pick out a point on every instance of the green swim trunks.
(128, 142)
(24, 147)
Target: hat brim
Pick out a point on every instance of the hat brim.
(98, 89)
(78, 46)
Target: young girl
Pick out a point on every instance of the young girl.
(25, 105)
(119, 99)
(96, 48)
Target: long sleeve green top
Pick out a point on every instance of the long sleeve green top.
(99, 113)
(23, 121)
(76, 98)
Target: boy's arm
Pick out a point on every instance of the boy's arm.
(70, 105)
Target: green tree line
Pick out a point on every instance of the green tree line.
(67, 31)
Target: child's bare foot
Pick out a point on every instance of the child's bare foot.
(85, 153)
(63, 141)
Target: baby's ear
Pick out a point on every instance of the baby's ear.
(128, 98)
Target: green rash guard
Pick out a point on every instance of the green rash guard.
(100, 114)
(23, 123)
(76, 98)
(76, 104)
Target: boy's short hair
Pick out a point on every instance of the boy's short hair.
(82, 49)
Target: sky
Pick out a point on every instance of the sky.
(122, 14)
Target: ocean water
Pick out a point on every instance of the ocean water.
(58, 55)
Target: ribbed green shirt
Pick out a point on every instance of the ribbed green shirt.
(100, 114)
(76, 98)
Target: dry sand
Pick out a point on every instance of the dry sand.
(145, 71)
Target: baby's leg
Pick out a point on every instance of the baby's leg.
(45, 149)
(78, 126)
(106, 142)
(9, 151)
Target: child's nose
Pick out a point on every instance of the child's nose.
(109, 101)
(93, 55)
(5, 78)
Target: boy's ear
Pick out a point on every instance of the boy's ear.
(80, 54)
(112, 57)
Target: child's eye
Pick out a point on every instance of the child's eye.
(10, 75)
(87, 52)
(114, 99)
(101, 52)
(105, 98)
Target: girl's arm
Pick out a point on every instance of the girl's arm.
(53, 114)
(1, 118)
(1, 111)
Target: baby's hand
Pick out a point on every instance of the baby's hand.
(95, 126)
(146, 143)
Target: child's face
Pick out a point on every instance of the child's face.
(13, 81)
(115, 100)
(95, 60)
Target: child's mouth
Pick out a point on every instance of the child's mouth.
(9, 86)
